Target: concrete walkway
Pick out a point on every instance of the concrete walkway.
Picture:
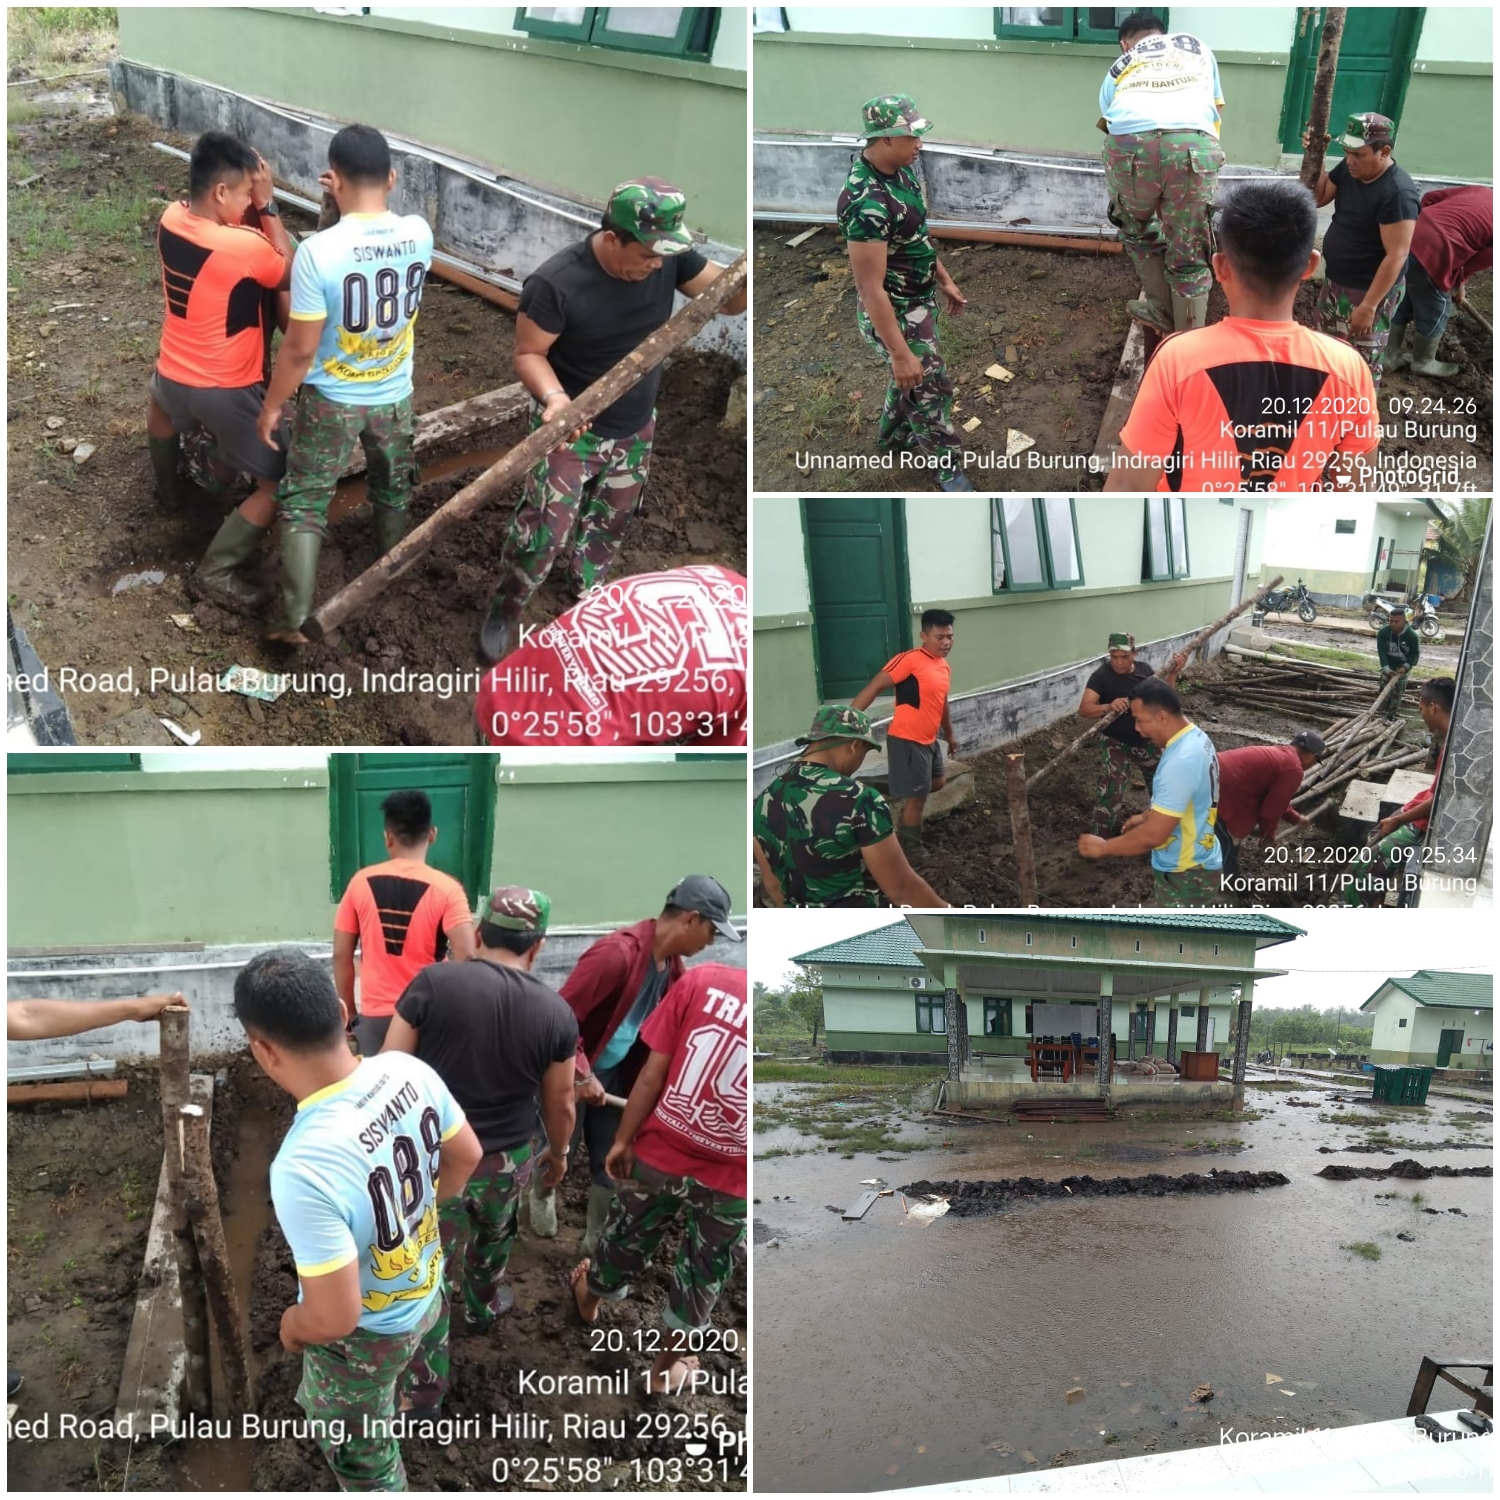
(1376, 1457)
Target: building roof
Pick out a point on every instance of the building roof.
(892, 947)
(895, 947)
(1443, 987)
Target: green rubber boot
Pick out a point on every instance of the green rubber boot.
(1424, 360)
(299, 580)
(1397, 356)
(216, 579)
(1189, 312)
(1154, 304)
(390, 527)
(543, 1205)
(164, 455)
(601, 1200)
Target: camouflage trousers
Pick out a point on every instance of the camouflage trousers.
(1195, 887)
(479, 1229)
(1161, 189)
(324, 436)
(590, 491)
(358, 1376)
(1115, 761)
(1331, 315)
(1395, 857)
(644, 1209)
(921, 418)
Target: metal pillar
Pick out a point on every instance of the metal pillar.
(1172, 1035)
(1202, 1021)
(1130, 1027)
(956, 1019)
(1241, 1052)
(1106, 1032)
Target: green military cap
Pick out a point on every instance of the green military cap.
(1119, 641)
(517, 909)
(650, 210)
(893, 114)
(832, 722)
(1368, 130)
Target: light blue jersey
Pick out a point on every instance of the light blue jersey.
(356, 1180)
(365, 276)
(1186, 785)
(1163, 83)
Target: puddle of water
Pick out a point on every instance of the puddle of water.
(223, 1465)
(963, 1336)
(350, 494)
(81, 97)
(151, 576)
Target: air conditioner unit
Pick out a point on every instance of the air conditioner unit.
(918, 982)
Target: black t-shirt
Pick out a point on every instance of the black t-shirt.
(1352, 245)
(489, 1033)
(599, 319)
(1110, 684)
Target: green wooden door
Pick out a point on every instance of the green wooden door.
(1375, 60)
(460, 787)
(856, 562)
(1449, 1042)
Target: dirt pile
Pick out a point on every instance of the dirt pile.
(1409, 1170)
(967, 1199)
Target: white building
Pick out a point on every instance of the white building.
(1436, 1018)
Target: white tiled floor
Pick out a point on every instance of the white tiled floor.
(1377, 1458)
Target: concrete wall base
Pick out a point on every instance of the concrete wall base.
(970, 1093)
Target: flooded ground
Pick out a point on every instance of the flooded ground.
(909, 1351)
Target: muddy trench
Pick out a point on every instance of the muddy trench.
(85, 311)
(1057, 321)
(72, 1298)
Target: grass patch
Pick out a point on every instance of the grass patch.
(49, 39)
(775, 1071)
(1365, 1249)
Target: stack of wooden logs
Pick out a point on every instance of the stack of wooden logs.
(1362, 744)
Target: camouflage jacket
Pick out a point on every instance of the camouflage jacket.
(893, 208)
(812, 823)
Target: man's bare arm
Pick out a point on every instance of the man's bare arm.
(893, 873)
(880, 683)
(37, 1020)
(867, 262)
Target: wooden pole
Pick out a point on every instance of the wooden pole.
(1020, 828)
(1187, 651)
(85, 1089)
(674, 333)
(175, 1086)
(1322, 92)
(213, 1255)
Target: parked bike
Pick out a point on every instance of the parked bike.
(1422, 614)
(1283, 601)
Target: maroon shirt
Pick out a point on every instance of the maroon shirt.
(1455, 234)
(1255, 786)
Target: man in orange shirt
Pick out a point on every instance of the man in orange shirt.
(1255, 402)
(402, 915)
(919, 679)
(220, 252)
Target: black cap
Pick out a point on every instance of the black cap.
(704, 895)
(1311, 741)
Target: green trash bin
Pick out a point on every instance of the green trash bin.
(1414, 1085)
(1388, 1084)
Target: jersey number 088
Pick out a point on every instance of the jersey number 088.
(388, 298)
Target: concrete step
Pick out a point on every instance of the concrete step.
(1367, 802)
(957, 792)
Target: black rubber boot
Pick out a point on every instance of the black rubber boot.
(164, 456)
(497, 637)
(299, 581)
(216, 579)
(390, 527)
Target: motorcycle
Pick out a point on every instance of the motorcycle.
(1422, 615)
(1281, 601)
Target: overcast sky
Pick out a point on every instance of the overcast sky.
(1333, 965)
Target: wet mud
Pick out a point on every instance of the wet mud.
(1408, 1170)
(967, 1199)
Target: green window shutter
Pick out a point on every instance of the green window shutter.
(1156, 560)
(60, 760)
(563, 23)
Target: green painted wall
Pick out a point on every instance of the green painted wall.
(886, 1041)
(1436, 136)
(244, 857)
(1019, 95)
(570, 118)
(786, 684)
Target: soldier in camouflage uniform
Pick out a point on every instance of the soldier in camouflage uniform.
(1160, 105)
(824, 839)
(1366, 246)
(882, 214)
(581, 313)
(679, 1157)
